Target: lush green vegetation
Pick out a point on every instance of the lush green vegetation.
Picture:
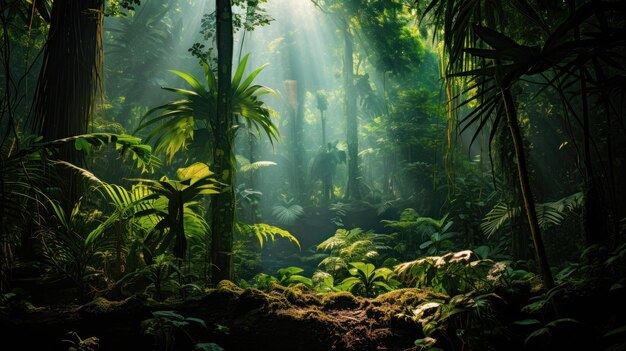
(361, 174)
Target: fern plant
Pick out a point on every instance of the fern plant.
(264, 233)
(548, 213)
(351, 246)
(65, 246)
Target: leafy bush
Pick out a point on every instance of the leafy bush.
(351, 246)
(452, 273)
(368, 281)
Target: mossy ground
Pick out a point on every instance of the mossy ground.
(237, 319)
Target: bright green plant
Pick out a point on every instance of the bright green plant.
(367, 280)
(286, 277)
(349, 246)
(291, 275)
(129, 229)
(265, 232)
(194, 181)
(193, 117)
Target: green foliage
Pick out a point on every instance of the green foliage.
(247, 15)
(351, 246)
(548, 213)
(430, 234)
(287, 213)
(194, 181)
(245, 166)
(79, 344)
(265, 232)
(141, 153)
(323, 282)
(290, 276)
(65, 246)
(472, 316)
(287, 276)
(411, 221)
(160, 275)
(366, 280)
(452, 273)
(439, 241)
(118, 7)
(165, 326)
(195, 114)
(341, 210)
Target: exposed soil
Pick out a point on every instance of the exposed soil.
(238, 319)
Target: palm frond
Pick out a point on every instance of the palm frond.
(287, 214)
(548, 213)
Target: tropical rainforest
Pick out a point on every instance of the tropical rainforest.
(313, 175)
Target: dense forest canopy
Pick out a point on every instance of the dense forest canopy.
(449, 173)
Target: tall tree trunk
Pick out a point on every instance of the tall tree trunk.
(529, 202)
(223, 204)
(299, 156)
(352, 190)
(70, 78)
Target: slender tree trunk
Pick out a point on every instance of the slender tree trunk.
(223, 204)
(298, 151)
(69, 78)
(506, 166)
(352, 189)
(529, 202)
(323, 120)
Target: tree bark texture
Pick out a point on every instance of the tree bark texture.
(69, 79)
(223, 204)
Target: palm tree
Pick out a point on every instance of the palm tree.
(461, 38)
(197, 114)
(477, 47)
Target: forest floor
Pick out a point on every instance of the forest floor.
(296, 318)
(235, 318)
